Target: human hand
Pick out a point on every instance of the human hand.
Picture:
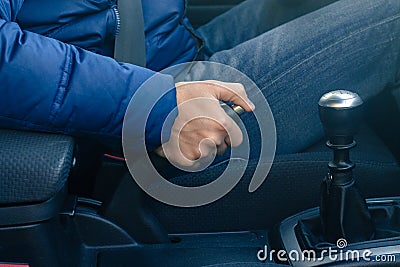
(202, 128)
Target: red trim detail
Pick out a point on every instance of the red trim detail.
(111, 157)
(14, 265)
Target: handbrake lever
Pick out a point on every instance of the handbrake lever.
(233, 111)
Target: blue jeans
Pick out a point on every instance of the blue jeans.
(349, 44)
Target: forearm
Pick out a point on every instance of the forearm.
(52, 86)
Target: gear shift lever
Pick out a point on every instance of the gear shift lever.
(344, 213)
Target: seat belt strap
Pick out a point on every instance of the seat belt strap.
(130, 42)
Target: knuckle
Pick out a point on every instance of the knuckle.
(215, 139)
(238, 140)
(189, 155)
(195, 155)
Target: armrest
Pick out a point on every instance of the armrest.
(33, 166)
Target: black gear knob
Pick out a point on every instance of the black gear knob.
(344, 212)
(340, 112)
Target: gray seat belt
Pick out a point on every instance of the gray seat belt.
(130, 42)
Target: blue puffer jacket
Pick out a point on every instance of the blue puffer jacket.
(56, 73)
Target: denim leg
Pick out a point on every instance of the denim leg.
(350, 44)
(252, 18)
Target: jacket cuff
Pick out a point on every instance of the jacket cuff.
(163, 114)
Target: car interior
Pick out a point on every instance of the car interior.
(68, 201)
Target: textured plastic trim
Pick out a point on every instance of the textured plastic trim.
(27, 214)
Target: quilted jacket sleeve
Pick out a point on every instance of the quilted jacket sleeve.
(51, 86)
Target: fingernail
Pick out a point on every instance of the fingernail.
(252, 106)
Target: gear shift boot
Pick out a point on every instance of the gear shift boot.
(344, 213)
(385, 214)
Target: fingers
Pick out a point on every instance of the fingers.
(213, 142)
(232, 131)
(208, 148)
(159, 151)
(180, 154)
(232, 92)
(202, 128)
(222, 148)
(227, 140)
(207, 119)
(235, 93)
(189, 148)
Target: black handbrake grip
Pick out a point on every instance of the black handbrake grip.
(233, 111)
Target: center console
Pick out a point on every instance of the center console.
(346, 230)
